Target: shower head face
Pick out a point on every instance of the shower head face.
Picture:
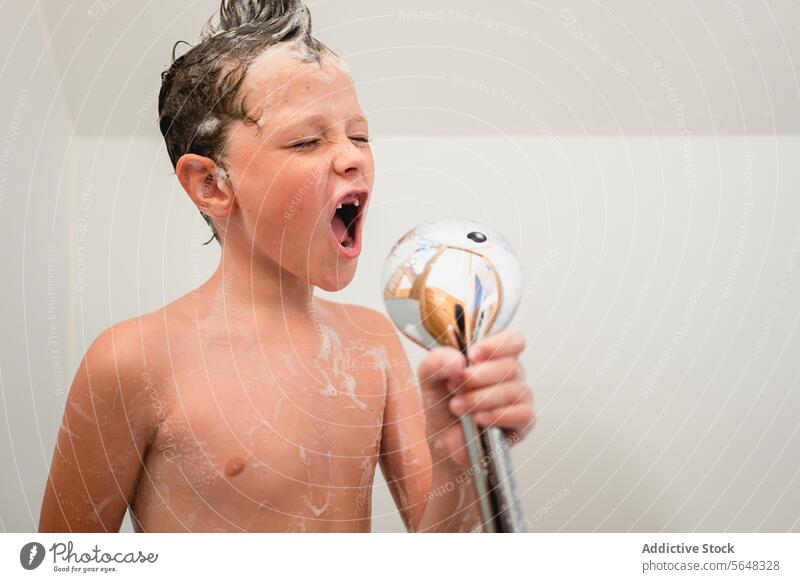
(450, 283)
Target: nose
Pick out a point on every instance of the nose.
(351, 159)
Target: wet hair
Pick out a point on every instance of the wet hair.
(200, 93)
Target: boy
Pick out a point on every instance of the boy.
(249, 404)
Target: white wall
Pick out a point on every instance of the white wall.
(34, 251)
(465, 66)
(660, 306)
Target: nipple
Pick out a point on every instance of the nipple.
(234, 467)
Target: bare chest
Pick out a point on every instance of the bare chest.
(294, 429)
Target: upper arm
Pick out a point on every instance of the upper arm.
(107, 424)
(404, 454)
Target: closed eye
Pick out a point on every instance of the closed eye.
(304, 145)
(310, 143)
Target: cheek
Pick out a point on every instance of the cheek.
(300, 197)
(292, 199)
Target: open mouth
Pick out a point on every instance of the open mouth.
(346, 219)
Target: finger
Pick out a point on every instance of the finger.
(507, 343)
(516, 417)
(512, 437)
(497, 396)
(490, 373)
(440, 365)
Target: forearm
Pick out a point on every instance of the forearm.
(451, 505)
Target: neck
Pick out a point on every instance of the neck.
(258, 285)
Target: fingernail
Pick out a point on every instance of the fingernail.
(458, 406)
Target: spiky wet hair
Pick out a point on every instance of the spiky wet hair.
(200, 93)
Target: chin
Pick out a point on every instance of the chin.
(336, 281)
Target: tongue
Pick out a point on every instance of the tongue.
(339, 229)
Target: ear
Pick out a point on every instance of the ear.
(198, 176)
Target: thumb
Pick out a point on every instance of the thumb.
(440, 365)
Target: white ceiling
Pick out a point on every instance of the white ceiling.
(447, 66)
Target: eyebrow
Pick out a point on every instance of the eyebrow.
(321, 121)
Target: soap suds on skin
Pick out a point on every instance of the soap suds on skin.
(199, 467)
(406, 450)
(288, 363)
(191, 519)
(82, 413)
(328, 77)
(467, 523)
(350, 388)
(223, 322)
(263, 423)
(317, 509)
(401, 495)
(119, 463)
(155, 493)
(296, 526)
(99, 507)
(329, 390)
(67, 431)
(73, 506)
(221, 176)
(335, 357)
(364, 493)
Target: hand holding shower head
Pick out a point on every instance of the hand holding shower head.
(452, 282)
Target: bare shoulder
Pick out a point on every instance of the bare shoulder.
(365, 320)
(129, 346)
(376, 328)
(142, 342)
(122, 362)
